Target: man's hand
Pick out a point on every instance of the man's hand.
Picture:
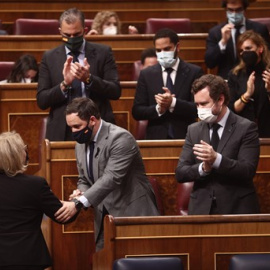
(164, 100)
(205, 153)
(76, 193)
(67, 74)
(82, 73)
(67, 211)
(226, 32)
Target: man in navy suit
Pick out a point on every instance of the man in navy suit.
(220, 154)
(165, 99)
(73, 69)
(221, 42)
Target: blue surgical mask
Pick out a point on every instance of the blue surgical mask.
(235, 18)
(166, 59)
(83, 136)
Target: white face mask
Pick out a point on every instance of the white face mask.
(166, 59)
(205, 114)
(111, 30)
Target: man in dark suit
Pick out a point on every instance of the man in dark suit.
(220, 154)
(112, 178)
(221, 42)
(76, 68)
(163, 95)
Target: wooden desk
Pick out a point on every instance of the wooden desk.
(202, 242)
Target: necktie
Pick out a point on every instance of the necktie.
(236, 35)
(91, 154)
(76, 84)
(169, 83)
(215, 137)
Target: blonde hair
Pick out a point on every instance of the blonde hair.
(12, 159)
(101, 18)
(259, 41)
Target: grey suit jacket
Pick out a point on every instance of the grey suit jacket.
(105, 85)
(120, 184)
(232, 182)
(150, 83)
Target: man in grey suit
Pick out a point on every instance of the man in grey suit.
(75, 68)
(163, 95)
(220, 154)
(112, 178)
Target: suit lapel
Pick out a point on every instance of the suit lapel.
(181, 74)
(227, 132)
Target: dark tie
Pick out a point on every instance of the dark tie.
(169, 83)
(215, 137)
(236, 35)
(76, 84)
(91, 154)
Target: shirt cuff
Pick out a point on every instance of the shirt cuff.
(157, 109)
(222, 47)
(171, 109)
(201, 171)
(217, 162)
(84, 201)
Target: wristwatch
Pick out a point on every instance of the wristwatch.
(66, 86)
(88, 80)
(78, 204)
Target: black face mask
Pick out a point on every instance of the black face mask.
(73, 43)
(250, 58)
(83, 136)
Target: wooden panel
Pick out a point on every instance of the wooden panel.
(200, 241)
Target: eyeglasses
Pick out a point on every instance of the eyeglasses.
(236, 10)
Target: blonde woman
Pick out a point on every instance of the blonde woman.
(108, 23)
(24, 200)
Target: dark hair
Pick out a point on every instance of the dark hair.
(167, 33)
(85, 108)
(21, 66)
(244, 2)
(217, 86)
(149, 52)
(71, 15)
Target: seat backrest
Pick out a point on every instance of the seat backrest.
(250, 262)
(5, 69)
(265, 21)
(148, 263)
(155, 187)
(136, 69)
(36, 27)
(182, 25)
(141, 127)
(88, 23)
(183, 193)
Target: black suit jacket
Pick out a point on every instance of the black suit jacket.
(226, 61)
(24, 200)
(105, 86)
(149, 84)
(232, 183)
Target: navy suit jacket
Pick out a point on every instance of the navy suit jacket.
(104, 87)
(232, 183)
(226, 61)
(149, 84)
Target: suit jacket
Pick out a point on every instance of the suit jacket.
(104, 86)
(24, 200)
(226, 61)
(232, 183)
(120, 186)
(149, 84)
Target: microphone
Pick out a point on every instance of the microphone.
(97, 152)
